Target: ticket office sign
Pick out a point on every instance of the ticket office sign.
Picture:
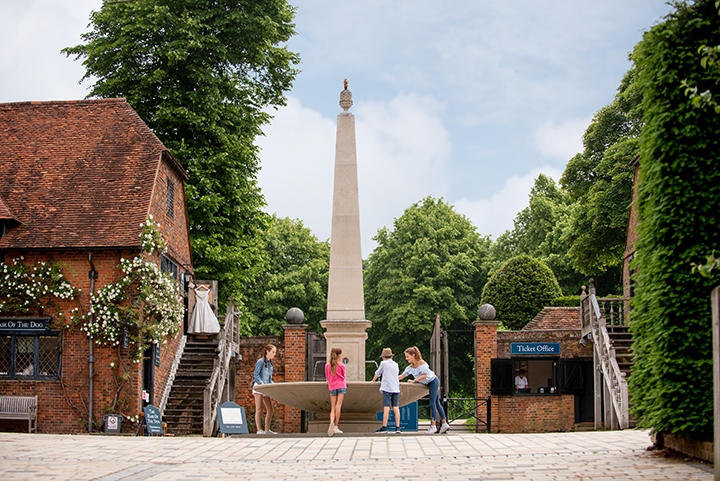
(534, 348)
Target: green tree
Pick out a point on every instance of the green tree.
(599, 180)
(429, 263)
(679, 214)
(539, 232)
(295, 275)
(519, 290)
(201, 73)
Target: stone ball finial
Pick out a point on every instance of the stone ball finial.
(487, 312)
(346, 98)
(294, 316)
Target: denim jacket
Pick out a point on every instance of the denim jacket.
(263, 374)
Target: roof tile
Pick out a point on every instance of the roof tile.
(76, 174)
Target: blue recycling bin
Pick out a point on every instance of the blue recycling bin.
(408, 417)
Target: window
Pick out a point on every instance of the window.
(544, 376)
(170, 198)
(170, 266)
(27, 355)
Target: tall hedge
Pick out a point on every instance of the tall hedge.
(519, 289)
(679, 207)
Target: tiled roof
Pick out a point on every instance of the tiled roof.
(555, 318)
(76, 174)
(5, 213)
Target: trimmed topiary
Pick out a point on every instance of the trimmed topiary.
(520, 289)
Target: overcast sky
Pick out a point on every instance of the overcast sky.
(468, 100)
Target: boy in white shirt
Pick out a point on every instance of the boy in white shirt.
(390, 389)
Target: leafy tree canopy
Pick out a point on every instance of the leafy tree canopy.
(599, 180)
(200, 73)
(429, 263)
(519, 290)
(295, 275)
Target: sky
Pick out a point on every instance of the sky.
(468, 100)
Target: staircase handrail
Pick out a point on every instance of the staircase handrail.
(228, 347)
(613, 376)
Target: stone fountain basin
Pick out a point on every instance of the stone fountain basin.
(361, 397)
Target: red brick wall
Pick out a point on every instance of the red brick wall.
(486, 344)
(632, 234)
(289, 365)
(295, 368)
(535, 414)
(251, 349)
(569, 342)
(175, 230)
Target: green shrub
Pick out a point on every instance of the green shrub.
(678, 204)
(519, 289)
(565, 301)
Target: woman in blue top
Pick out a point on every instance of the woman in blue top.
(263, 375)
(420, 371)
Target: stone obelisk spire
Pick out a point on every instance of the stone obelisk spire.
(345, 325)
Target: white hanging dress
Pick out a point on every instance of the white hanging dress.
(203, 320)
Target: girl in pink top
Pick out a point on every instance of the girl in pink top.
(335, 375)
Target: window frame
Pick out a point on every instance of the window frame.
(14, 334)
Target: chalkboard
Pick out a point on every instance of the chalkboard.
(151, 420)
(231, 419)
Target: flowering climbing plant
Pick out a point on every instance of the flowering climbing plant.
(28, 288)
(144, 300)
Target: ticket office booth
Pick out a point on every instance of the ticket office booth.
(547, 373)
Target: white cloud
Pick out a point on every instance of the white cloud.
(560, 141)
(32, 33)
(297, 166)
(402, 150)
(495, 215)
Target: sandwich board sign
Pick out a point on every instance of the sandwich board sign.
(152, 421)
(231, 419)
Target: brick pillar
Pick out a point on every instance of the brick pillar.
(295, 368)
(486, 342)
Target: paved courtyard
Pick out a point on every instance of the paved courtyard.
(615, 455)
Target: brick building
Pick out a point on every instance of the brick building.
(632, 235)
(559, 370)
(77, 180)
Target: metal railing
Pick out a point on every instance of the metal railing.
(462, 409)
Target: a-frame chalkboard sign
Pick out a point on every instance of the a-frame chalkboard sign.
(152, 421)
(231, 419)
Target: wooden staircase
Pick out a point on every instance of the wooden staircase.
(604, 322)
(622, 341)
(184, 410)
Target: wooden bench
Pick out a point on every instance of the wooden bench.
(20, 407)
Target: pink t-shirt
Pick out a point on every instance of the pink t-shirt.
(338, 380)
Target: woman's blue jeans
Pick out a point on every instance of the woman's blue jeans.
(435, 406)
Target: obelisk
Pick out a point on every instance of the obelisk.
(346, 324)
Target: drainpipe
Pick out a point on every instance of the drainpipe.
(93, 274)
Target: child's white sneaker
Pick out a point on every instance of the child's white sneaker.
(270, 432)
(431, 430)
(261, 432)
(444, 427)
(337, 431)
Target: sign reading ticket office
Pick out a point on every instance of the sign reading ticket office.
(534, 348)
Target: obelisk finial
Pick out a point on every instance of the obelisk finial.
(346, 98)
